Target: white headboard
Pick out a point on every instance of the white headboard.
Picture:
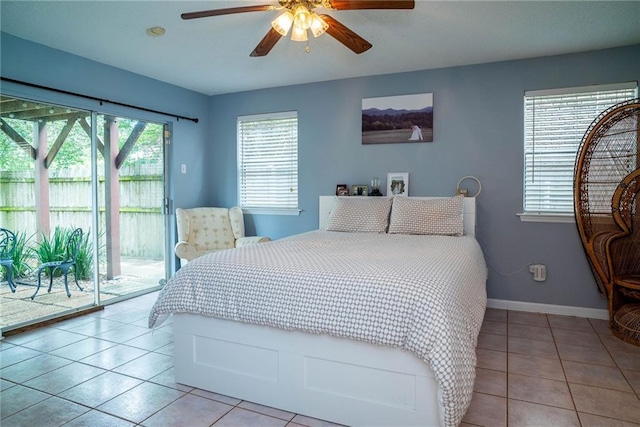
(469, 212)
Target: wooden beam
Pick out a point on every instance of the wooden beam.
(87, 128)
(12, 105)
(17, 138)
(22, 109)
(62, 137)
(129, 144)
(46, 116)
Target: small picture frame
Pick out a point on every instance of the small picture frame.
(359, 190)
(342, 190)
(398, 184)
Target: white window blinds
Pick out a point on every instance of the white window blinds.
(554, 123)
(268, 163)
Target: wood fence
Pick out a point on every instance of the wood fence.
(141, 195)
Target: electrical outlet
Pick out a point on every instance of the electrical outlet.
(539, 272)
(183, 168)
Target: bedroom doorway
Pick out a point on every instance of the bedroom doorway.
(64, 168)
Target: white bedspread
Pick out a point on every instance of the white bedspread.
(425, 294)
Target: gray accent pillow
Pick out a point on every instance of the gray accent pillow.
(442, 216)
(359, 215)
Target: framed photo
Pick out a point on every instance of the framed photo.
(398, 184)
(397, 119)
(342, 190)
(359, 190)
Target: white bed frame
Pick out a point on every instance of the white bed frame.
(333, 379)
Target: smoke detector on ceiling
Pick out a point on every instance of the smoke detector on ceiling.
(155, 31)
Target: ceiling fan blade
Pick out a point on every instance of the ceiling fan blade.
(227, 11)
(372, 4)
(267, 43)
(346, 36)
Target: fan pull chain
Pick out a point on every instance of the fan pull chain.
(306, 49)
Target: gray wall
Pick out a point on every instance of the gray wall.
(478, 130)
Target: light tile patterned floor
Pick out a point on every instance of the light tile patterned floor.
(106, 368)
(546, 370)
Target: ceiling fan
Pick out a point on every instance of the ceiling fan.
(300, 17)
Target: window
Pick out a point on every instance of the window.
(554, 123)
(268, 163)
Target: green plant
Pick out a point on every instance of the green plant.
(22, 255)
(53, 249)
(84, 262)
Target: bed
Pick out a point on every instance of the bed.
(366, 321)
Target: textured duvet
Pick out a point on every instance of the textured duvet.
(424, 294)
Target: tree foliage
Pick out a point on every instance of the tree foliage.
(76, 150)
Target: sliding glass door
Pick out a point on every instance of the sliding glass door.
(63, 169)
(132, 182)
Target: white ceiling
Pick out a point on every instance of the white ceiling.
(211, 55)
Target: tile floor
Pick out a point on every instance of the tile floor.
(107, 368)
(545, 370)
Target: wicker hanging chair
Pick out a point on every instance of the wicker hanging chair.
(607, 209)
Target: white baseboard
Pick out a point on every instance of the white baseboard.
(563, 310)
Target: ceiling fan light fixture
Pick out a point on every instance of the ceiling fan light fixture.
(302, 18)
(300, 15)
(318, 25)
(283, 23)
(299, 34)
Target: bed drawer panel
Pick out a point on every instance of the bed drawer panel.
(347, 382)
(238, 358)
(361, 382)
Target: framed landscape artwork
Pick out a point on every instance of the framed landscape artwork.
(397, 119)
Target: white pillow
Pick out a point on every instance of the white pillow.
(359, 215)
(441, 216)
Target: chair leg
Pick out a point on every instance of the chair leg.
(51, 270)
(9, 271)
(66, 283)
(12, 284)
(38, 288)
(75, 276)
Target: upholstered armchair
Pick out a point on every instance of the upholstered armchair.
(205, 230)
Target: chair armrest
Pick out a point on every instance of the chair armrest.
(252, 240)
(186, 251)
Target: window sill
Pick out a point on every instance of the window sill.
(267, 211)
(547, 217)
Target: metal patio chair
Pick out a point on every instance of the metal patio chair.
(73, 246)
(7, 249)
